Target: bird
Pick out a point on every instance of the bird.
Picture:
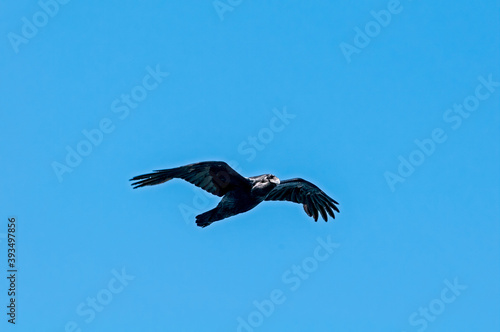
(241, 194)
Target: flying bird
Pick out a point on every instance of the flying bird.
(240, 194)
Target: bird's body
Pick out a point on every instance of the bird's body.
(240, 194)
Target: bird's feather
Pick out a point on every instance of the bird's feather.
(300, 191)
(216, 177)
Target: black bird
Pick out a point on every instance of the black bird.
(240, 194)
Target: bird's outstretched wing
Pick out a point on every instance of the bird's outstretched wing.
(306, 193)
(216, 177)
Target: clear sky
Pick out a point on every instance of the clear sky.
(392, 108)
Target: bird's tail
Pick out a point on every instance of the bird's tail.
(206, 218)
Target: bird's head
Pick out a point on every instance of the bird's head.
(273, 179)
(263, 184)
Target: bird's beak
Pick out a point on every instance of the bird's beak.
(275, 180)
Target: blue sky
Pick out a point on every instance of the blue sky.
(390, 107)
